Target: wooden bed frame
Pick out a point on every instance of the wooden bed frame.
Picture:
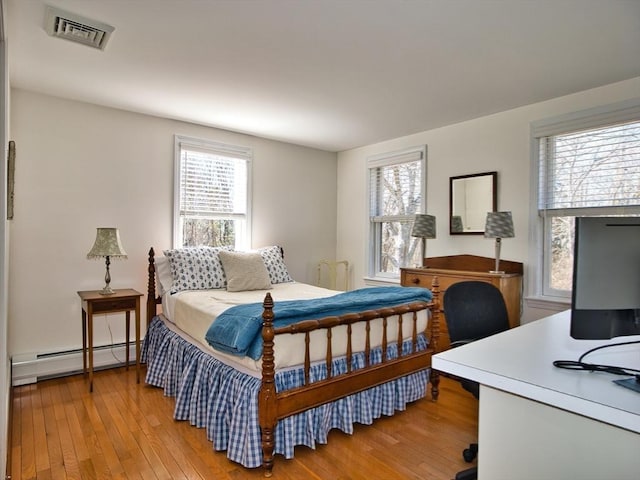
(273, 406)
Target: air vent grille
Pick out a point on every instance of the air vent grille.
(75, 28)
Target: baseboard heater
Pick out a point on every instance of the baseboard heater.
(33, 367)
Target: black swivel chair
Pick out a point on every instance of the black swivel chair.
(473, 310)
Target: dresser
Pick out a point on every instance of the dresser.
(460, 268)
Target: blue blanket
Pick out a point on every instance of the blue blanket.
(238, 330)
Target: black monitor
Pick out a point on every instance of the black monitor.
(605, 301)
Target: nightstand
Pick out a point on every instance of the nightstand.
(122, 300)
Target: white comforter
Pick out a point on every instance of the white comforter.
(193, 312)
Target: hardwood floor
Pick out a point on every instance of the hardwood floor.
(126, 431)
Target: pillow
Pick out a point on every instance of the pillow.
(196, 268)
(164, 280)
(245, 271)
(272, 257)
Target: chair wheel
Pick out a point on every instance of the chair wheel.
(469, 454)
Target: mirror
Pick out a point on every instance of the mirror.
(470, 198)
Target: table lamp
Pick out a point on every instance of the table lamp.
(424, 226)
(107, 245)
(499, 225)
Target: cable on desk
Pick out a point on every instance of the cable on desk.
(593, 367)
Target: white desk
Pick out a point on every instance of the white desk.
(540, 422)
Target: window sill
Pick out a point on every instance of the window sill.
(553, 304)
(381, 282)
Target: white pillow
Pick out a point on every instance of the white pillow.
(272, 257)
(164, 280)
(244, 271)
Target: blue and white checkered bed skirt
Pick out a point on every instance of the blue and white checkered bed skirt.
(212, 395)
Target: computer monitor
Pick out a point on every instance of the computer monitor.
(605, 300)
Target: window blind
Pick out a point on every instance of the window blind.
(591, 168)
(395, 185)
(212, 183)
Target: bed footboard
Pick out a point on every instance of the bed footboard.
(274, 406)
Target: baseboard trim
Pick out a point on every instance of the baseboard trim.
(31, 368)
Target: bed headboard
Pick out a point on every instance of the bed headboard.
(153, 299)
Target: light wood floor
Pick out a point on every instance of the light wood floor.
(126, 431)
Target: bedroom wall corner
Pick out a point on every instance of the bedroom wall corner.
(308, 182)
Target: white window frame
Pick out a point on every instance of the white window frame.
(382, 160)
(540, 295)
(243, 240)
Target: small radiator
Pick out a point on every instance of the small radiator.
(32, 367)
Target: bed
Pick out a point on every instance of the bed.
(306, 378)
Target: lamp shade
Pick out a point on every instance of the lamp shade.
(107, 244)
(499, 225)
(424, 226)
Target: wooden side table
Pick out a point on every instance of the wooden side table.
(122, 300)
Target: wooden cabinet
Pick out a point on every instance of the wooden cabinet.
(460, 268)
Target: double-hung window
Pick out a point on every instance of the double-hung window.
(397, 183)
(211, 194)
(588, 165)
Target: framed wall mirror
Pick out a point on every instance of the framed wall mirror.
(470, 198)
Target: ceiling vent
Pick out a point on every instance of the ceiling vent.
(69, 26)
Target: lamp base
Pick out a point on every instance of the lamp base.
(107, 290)
(497, 267)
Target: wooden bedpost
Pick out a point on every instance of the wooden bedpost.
(151, 288)
(267, 411)
(435, 335)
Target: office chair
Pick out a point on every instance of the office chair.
(473, 310)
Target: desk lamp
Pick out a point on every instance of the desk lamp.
(499, 225)
(107, 245)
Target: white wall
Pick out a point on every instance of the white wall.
(497, 142)
(82, 166)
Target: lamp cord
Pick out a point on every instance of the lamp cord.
(113, 354)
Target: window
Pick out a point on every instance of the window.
(588, 165)
(396, 194)
(211, 194)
